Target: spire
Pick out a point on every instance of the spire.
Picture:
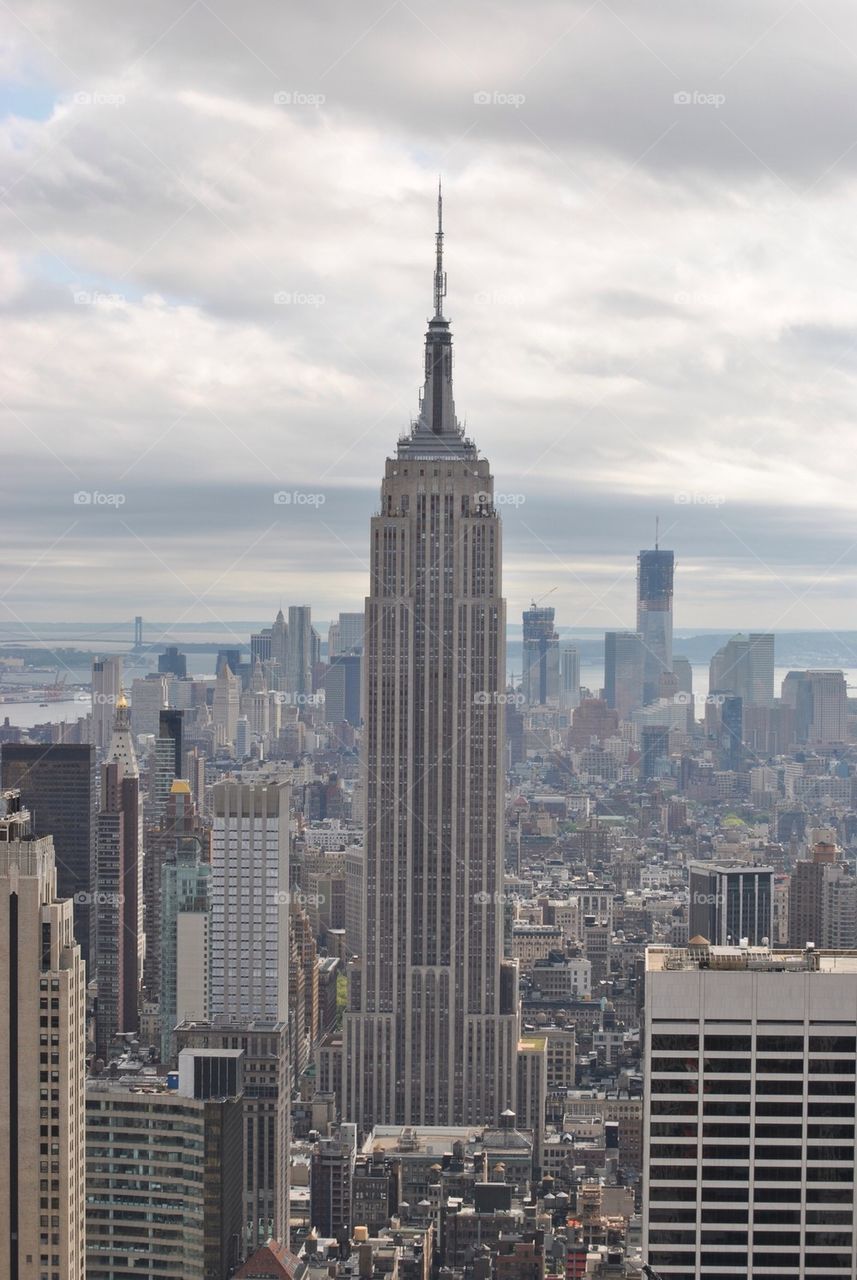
(121, 749)
(439, 273)
(437, 430)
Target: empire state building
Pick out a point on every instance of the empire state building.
(431, 1029)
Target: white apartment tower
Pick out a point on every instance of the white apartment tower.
(749, 1113)
(250, 901)
(431, 1030)
(42, 1062)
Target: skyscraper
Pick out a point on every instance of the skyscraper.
(820, 702)
(117, 911)
(299, 651)
(42, 1064)
(655, 616)
(540, 676)
(106, 687)
(431, 1030)
(569, 677)
(58, 788)
(345, 635)
(623, 672)
(250, 900)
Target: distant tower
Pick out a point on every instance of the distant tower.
(623, 672)
(106, 685)
(299, 651)
(138, 632)
(540, 683)
(431, 1031)
(655, 571)
(227, 703)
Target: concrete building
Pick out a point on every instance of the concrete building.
(342, 689)
(250, 900)
(431, 1029)
(569, 677)
(299, 651)
(820, 702)
(332, 1170)
(749, 1112)
(345, 635)
(42, 1064)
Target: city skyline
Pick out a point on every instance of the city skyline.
(650, 373)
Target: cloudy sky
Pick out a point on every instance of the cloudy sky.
(215, 272)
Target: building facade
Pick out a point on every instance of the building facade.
(431, 1029)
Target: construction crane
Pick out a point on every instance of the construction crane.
(535, 603)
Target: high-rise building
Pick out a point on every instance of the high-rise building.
(163, 1180)
(299, 651)
(173, 663)
(623, 672)
(654, 751)
(760, 692)
(345, 635)
(432, 1025)
(184, 938)
(569, 677)
(280, 647)
(42, 1064)
(823, 899)
(266, 1073)
(820, 702)
(342, 689)
(179, 823)
(148, 699)
(261, 645)
(655, 616)
(227, 704)
(540, 676)
(749, 1113)
(250, 900)
(729, 901)
(117, 913)
(58, 787)
(106, 687)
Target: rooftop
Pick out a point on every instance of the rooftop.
(660, 959)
